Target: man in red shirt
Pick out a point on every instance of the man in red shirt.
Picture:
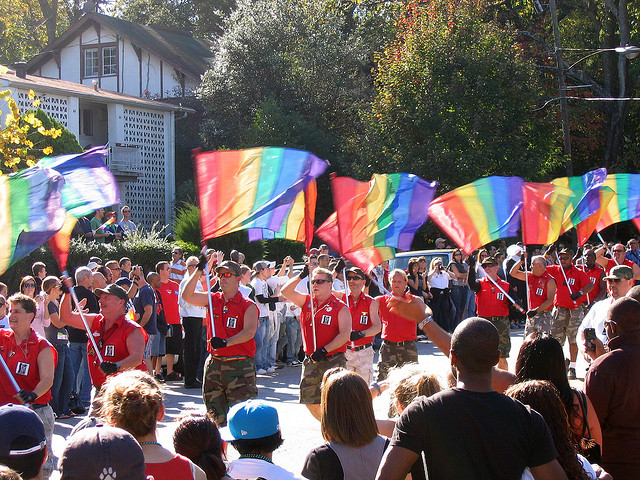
(595, 274)
(398, 333)
(492, 303)
(120, 340)
(365, 324)
(32, 362)
(324, 338)
(168, 291)
(230, 370)
(568, 313)
(542, 291)
(619, 253)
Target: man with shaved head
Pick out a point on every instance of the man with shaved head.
(495, 436)
(612, 386)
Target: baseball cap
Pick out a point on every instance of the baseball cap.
(250, 419)
(262, 264)
(620, 271)
(489, 262)
(230, 265)
(18, 421)
(324, 246)
(566, 251)
(92, 265)
(440, 239)
(113, 289)
(357, 271)
(102, 452)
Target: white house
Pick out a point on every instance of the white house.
(104, 79)
(140, 133)
(126, 57)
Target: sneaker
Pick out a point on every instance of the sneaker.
(261, 371)
(159, 377)
(271, 369)
(173, 376)
(196, 384)
(571, 374)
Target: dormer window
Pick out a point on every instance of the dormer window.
(99, 61)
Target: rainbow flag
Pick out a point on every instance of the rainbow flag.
(366, 259)
(254, 188)
(32, 212)
(299, 221)
(586, 200)
(372, 218)
(89, 185)
(625, 204)
(480, 212)
(585, 228)
(543, 211)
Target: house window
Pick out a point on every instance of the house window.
(100, 60)
(109, 61)
(91, 62)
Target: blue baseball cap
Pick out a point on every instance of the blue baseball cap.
(19, 421)
(250, 419)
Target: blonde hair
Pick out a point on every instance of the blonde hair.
(409, 382)
(132, 400)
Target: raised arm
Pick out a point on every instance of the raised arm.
(289, 288)
(189, 294)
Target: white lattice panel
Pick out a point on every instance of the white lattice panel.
(146, 197)
(53, 105)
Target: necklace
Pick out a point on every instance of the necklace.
(256, 455)
(150, 443)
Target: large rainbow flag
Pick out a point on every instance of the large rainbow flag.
(543, 212)
(254, 188)
(298, 223)
(31, 212)
(88, 186)
(480, 212)
(586, 199)
(383, 213)
(625, 204)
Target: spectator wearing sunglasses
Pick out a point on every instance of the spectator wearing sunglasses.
(230, 372)
(619, 252)
(326, 327)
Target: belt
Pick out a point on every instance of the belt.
(36, 406)
(359, 347)
(229, 359)
(406, 342)
(328, 357)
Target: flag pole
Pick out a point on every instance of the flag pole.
(607, 247)
(6, 369)
(74, 297)
(518, 307)
(564, 274)
(206, 273)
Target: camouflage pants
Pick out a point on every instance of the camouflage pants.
(565, 323)
(395, 354)
(504, 329)
(227, 383)
(312, 373)
(361, 362)
(540, 323)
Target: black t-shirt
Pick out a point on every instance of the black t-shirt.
(473, 435)
(56, 336)
(77, 334)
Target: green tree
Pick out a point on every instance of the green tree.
(455, 99)
(20, 34)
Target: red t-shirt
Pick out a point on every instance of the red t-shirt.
(177, 468)
(326, 324)
(576, 279)
(594, 275)
(538, 289)
(612, 263)
(22, 361)
(169, 293)
(491, 301)
(394, 327)
(228, 317)
(361, 316)
(112, 344)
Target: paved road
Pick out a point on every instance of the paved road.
(301, 432)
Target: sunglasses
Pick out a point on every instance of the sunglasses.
(29, 285)
(354, 278)
(618, 251)
(126, 211)
(319, 281)
(115, 269)
(226, 275)
(189, 266)
(614, 280)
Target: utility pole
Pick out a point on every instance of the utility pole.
(562, 87)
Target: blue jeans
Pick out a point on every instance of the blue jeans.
(294, 338)
(63, 380)
(262, 341)
(78, 354)
(471, 305)
(459, 297)
(277, 319)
